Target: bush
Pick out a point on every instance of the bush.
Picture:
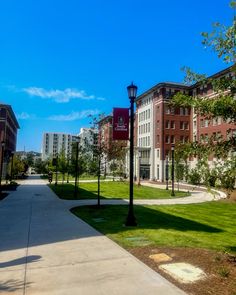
(194, 177)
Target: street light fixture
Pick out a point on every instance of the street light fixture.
(1, 166)
(173, 170)
(132, 92)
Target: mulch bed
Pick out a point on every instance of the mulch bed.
(220, 268)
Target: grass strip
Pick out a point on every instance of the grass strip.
(112, 190)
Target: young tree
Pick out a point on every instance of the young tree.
(222, 40)
(62, 164)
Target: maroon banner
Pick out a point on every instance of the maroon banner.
(120, 124)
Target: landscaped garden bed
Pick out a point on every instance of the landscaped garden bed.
(12, 186)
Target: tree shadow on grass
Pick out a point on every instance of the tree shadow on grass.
(232, 249)
(67, 192)
(147, 218)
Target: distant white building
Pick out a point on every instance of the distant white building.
(54, 143)
(88, 137)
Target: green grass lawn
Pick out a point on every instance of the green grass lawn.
(209, 225)
(112, 190)
(71, 178)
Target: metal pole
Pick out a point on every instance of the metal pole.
(99, 173)
(173, 171)
(56, 169)
(76, 167)
(167, 173)
(130, 218)
(68, 162)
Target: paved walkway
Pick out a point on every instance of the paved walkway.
(46, 250)
(197, 195)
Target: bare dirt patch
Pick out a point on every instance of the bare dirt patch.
(220, 268)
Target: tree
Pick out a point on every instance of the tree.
(62, 164)
(18, 166)
(222, 40)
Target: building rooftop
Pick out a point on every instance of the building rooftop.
(9, 108)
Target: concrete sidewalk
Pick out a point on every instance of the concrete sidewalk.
(44, 249)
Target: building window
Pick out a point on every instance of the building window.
(172, 139)
(181, 111)
(167, 110)
(172, 124)
(202, 124)
(186, 125)
(167, 124)
(186, 138)
(181, 125)
(167, 139)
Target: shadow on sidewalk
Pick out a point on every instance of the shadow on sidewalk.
(19, 261)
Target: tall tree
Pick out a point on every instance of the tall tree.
(222, 40)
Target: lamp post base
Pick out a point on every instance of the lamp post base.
(130, 221)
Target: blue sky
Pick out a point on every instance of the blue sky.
(62, 60)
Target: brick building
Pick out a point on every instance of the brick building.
(8, 133)
(109, 146)
(159, 126)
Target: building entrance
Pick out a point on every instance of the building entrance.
(145, 172)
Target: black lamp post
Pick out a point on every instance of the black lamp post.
(99, 170)
(68, 164)
(130, 221)
(2, 157)
(167, 172)
(56, 169)
(76, 166)
(173, 170)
